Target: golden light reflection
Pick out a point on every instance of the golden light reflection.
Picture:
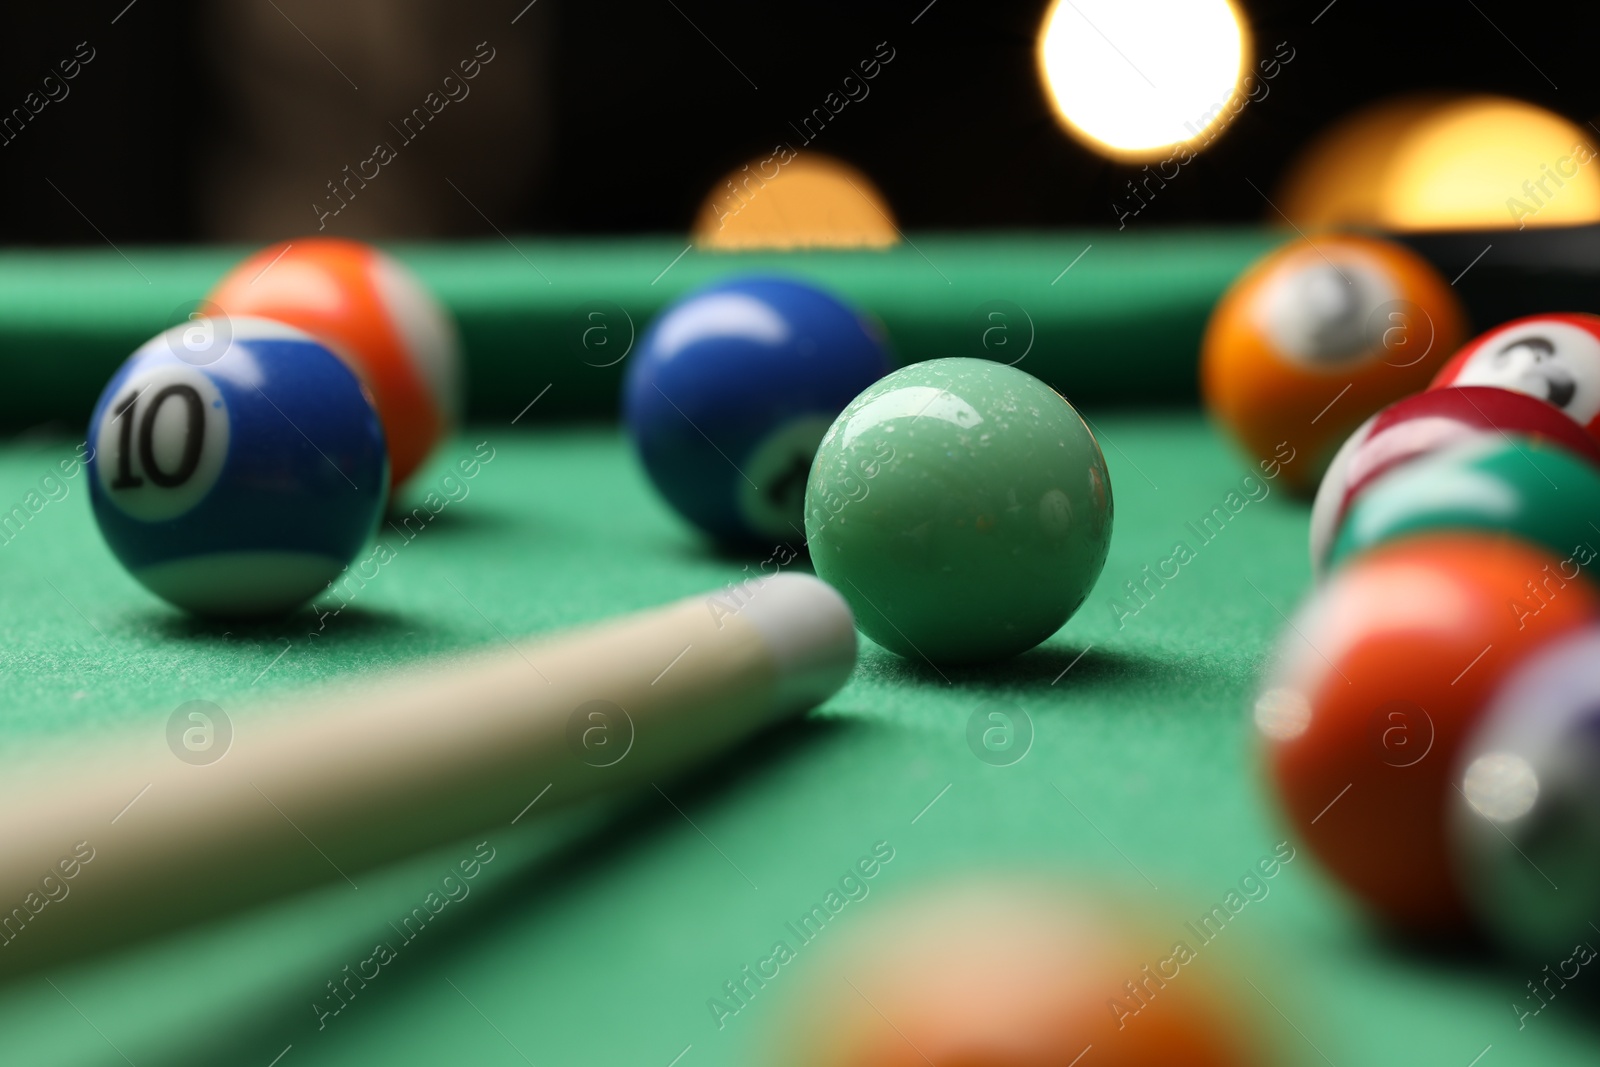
(795, 200)
(1421, 163)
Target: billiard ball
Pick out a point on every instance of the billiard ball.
(235, 472)
(1317, 336)
(1555, 357)
(1017, 972)
(1496, 485)
(1377, 685)
(374, 313)
(1422, 425)
(729, 393)
(1526, 807)
(962, 507)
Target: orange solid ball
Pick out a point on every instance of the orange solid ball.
(377, 317)
(997, 974)
(1314, 338)
(1383, 675)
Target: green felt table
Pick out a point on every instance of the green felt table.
(1100, 315)
(597, 935)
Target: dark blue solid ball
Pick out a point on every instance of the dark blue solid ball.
(237, 466)
(730, 393)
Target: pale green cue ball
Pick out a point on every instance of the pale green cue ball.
(963, 509)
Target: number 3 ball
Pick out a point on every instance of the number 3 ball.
(234, 473)
(1553, 357)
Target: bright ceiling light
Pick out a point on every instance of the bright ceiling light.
(1136, 79)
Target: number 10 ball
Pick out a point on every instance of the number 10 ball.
(238, 465)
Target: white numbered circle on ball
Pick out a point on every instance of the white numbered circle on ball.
(772, 494)
(161, 443)
(429, 333)
(1555, 361)
(1319, 313)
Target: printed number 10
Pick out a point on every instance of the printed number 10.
(194, 432)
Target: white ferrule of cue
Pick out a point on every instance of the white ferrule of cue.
(348, 777)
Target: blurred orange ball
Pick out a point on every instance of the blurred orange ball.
(1007, 975)
(376, 316)
(1314, 338)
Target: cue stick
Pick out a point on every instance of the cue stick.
(354, 775)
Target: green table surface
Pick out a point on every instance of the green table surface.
(1098, 314)
(597, 935)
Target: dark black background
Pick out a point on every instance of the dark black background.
(648, 115)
